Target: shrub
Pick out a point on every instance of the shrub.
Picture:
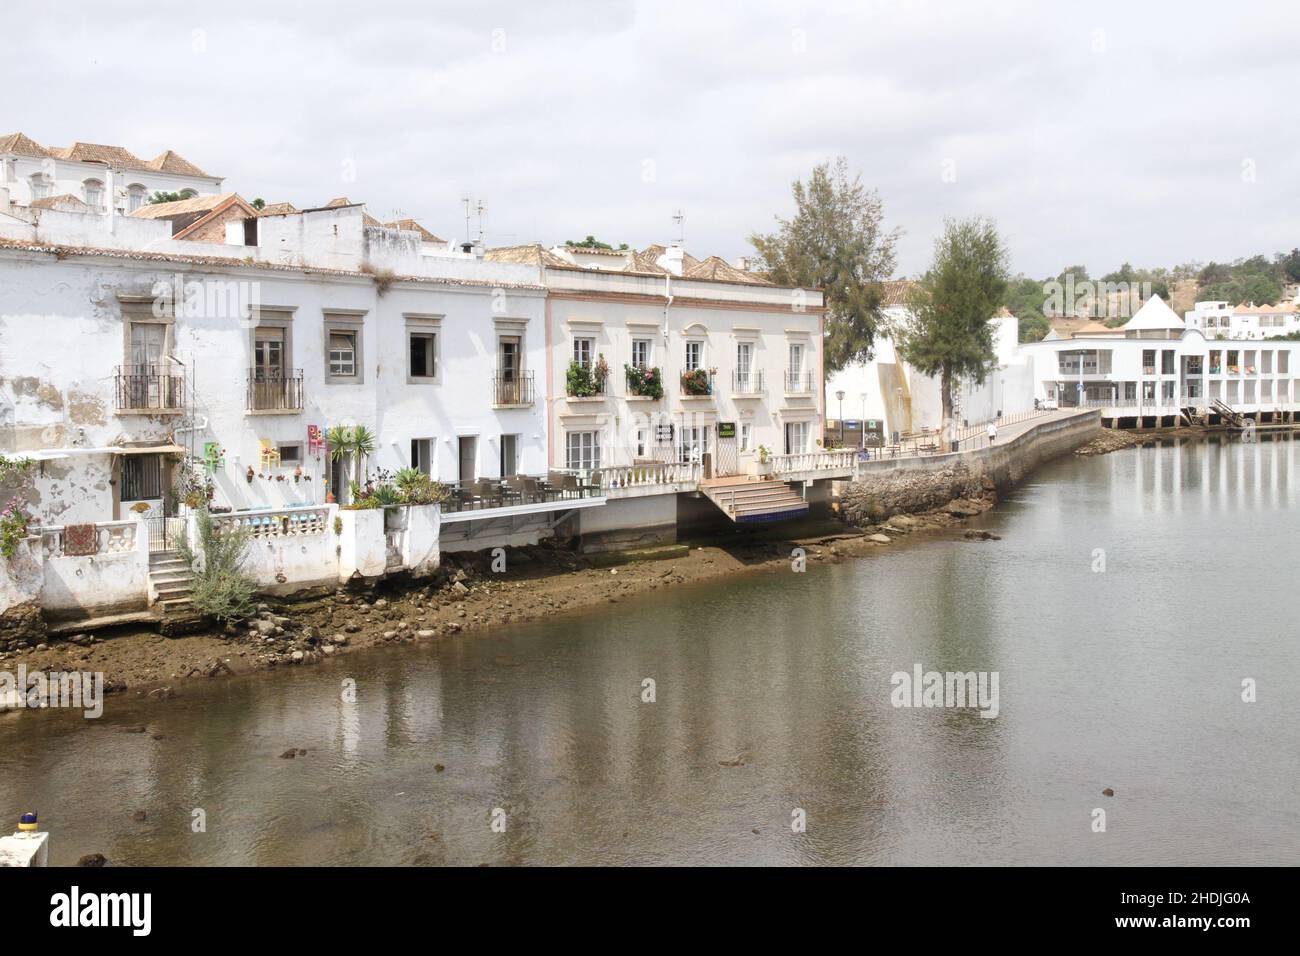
(222, 589)
(646, 382)
(14, 521)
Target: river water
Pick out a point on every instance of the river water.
(773, 696)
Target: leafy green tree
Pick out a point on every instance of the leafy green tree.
(949, 334)
(258, 203)
(591, 242)
(835, 242)
(161, 196)
(1024, 299)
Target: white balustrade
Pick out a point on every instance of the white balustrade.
(647, 474)
(289, 522)
(841, 460)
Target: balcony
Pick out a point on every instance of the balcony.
(697, 383)
(586, 381)
(798, 383)
(748, 383)
(149, 388)
(274, 390)
(512, 390)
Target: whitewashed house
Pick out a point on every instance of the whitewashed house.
(670, 377)
(886, 396)
(94, 175)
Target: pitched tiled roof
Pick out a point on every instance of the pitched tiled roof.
(590, 250)
(96, 153)
(166, 162)
(19, 145)
(182, 207)
(532, 254)
(719, 270)
(1252, 309)
(65, 203)
(173, 162)
(278, 209)
(410, 225)
(895, 291)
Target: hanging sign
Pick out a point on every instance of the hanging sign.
(726, 429)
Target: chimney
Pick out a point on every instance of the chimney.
(672, 259)
(742, 263)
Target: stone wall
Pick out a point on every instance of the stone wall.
(912, 485)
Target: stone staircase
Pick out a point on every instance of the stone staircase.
(752, 501)
(171, 578)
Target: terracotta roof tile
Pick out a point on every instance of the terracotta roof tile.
(18, 144)
(173, 162)
(278, 209)
(97, 153)
(64, 203)
(182, 207)
(410, 225)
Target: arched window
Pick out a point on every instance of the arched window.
(93, 193)
(40, 186)
(135, 196)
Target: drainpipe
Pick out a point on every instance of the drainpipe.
(550, 375)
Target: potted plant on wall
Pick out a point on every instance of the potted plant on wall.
(761, 466)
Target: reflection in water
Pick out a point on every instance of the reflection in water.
(772, 694)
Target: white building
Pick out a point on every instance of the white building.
(891, 397)
(1221, 320)
(1157, 369)
(36, 175)
(118, 362)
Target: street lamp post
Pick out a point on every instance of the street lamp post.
(840, 395)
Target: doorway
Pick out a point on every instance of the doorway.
(468, 457)
(509, 456)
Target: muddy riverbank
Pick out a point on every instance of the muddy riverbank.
(467, 596)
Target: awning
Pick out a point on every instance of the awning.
(150, 450)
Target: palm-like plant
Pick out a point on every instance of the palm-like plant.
(357, 443)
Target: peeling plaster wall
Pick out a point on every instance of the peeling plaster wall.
(62, 337)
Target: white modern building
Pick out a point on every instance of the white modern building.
(1157, 370)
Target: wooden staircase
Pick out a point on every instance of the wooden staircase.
(1228, 414)
(746, 502)
(172, 580)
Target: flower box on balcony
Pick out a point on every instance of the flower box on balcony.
(698, 382)
(644, 382)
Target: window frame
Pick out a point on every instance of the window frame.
(339, 322)
(588, 448)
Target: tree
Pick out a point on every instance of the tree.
(258, 203)
(949, 334)
(161, 196)
(591, 242)
(836, 242)
(1025, 299)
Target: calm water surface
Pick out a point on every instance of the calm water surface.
(1128, 679)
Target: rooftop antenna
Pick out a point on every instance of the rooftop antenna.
(466, 200)
(680, 218)
(481, 209)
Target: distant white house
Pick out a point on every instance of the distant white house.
(36, 175)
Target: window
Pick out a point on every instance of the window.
(422, 455)
(93, 191)
(796, 359)
(344, 360)
(141, 477)
(694, 355)
(423, 355)
(641, 353)
(509, 363)
(290, 453)
(582, 349)
(796, 437)
(135, 197)
(40, 186)
(582, 450)
(744, 362)
(343, 353)
(745, 436)
(641, 442)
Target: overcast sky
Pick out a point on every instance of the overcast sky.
(1093, 134)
